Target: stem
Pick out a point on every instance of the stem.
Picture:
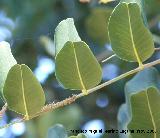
(157, 49)
(124, 75)
(12, 123)
(73, 98)
(3, 110)
(110, 57)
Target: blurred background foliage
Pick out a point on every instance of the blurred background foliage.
(29, 25)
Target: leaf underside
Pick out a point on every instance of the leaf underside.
(22, 91)
(76, 67)
(145, 113)
(142, 105)
(141, 4)
(129, 37)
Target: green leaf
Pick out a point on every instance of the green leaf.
(145, 103)
(64, 116)
(141, 4)
(76, 67)
(58, 131)
(78, 136)
(141, 81)
(65, 31)
(6, 62)
(48, 45)
(97, 22)
(22, 91)
(123, 120)
(142, 98)
(130, 39)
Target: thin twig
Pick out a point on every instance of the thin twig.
(12, 123)
(72, 99)
(157, 49)
(110, 57)
(54, 106)
(3, 110)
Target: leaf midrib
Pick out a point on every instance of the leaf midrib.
(77, 66)
(152, 118)
(132, 39)
(24, 99)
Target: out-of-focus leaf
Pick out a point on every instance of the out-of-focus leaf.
(152, 7)
(142, 97)
(130, 39)
(105, 1)
(78, 136)
(57, 131)
(6, 62)
(65, 31)
(22, 91)
(96, 25)
(156, 39)
(84, 1)
(123, 120)
(69, 116)
(48, 45)
(76, 67)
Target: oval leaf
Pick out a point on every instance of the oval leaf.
(148, 103)
(76, 67)
(57, 131)
(6, 62)
(123, 120)
(22, 91)
(65, 31)
(130, 39)
(142, 97)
